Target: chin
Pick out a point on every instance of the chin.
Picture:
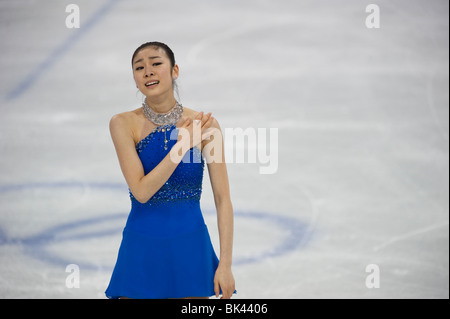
(154, 92)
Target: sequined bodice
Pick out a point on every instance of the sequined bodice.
(186, 181)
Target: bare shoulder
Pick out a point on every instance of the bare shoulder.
(125, 121)
(190, 113)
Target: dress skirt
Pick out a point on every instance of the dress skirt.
(166, 252)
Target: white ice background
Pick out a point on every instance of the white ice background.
(363, 140)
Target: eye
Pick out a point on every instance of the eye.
(157, 63)
(139, 68)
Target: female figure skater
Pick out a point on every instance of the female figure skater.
(166, 251)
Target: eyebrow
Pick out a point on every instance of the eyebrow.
(151, 58)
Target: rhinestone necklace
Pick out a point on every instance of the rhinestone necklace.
(171, 117)
(163, 119)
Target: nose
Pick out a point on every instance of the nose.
(148, 73)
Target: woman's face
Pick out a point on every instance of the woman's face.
(153, 72)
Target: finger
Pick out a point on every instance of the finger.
(230, 291)
(187, 122)
(216, 289)
(226, 293)
(206, 118)
(199, 116)
(208, 123)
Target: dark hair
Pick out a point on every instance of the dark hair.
(158, 45)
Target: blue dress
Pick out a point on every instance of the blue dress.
(166, 251)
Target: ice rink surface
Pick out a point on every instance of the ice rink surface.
(363, 140)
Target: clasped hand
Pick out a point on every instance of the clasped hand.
(193, 132)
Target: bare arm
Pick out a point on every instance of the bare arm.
(142, 186)
(217, 169)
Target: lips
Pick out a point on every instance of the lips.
(151, 83)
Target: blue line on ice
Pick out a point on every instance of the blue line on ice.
(296, 233)
(59, 52)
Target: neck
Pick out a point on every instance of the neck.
(161, 105)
